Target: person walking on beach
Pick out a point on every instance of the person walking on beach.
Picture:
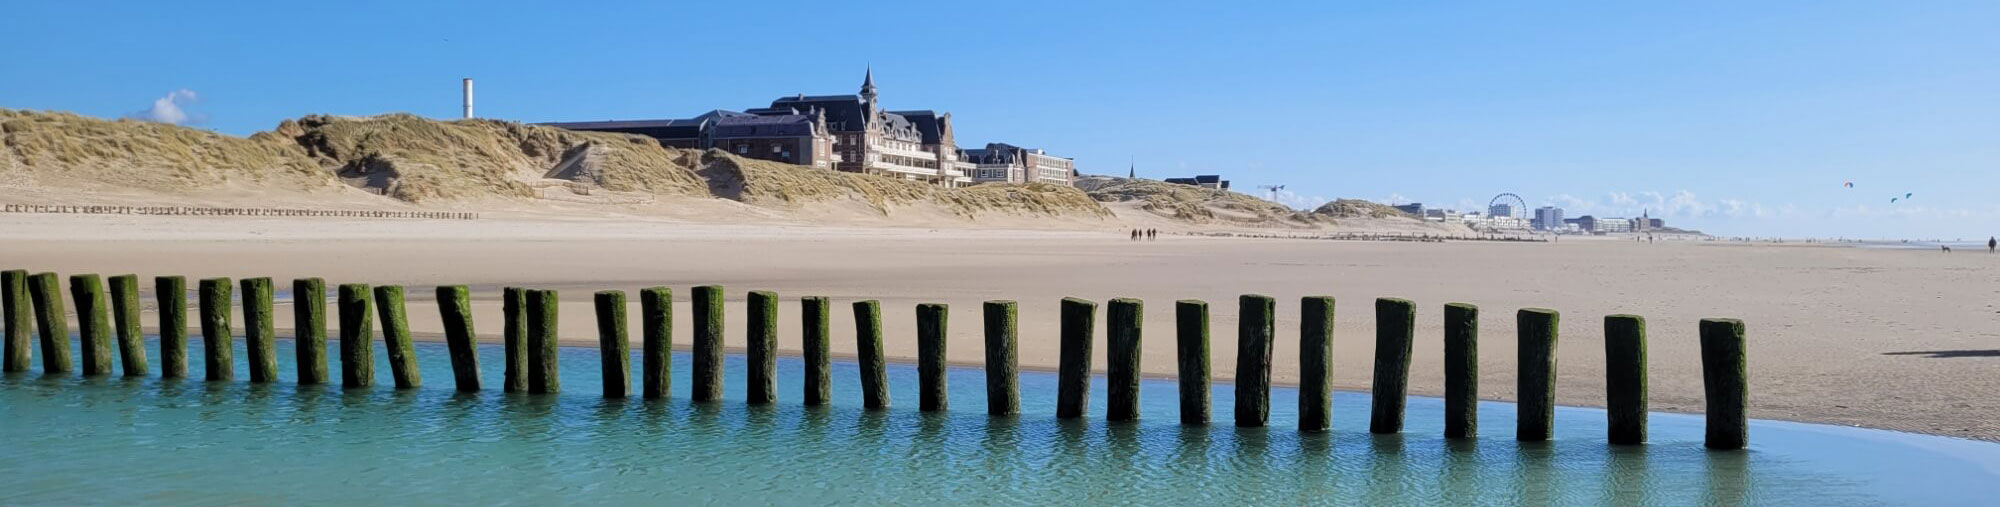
(1990, 243)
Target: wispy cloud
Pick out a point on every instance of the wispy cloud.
(1296, 200)
(171, 109)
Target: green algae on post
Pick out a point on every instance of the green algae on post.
(18, 316)
(708, 330)
(813, 317)
(309, 328)
(1191, 340)
(357, 332)
(1461, 370)
(931, 378)
(544, 375)
(614, 351)
(1254, 330)
(761, 336)
(1315, 363)
(1079, 321)
(396, 337)
(259, 331)
(218, 342)
(514, 311)
(125, 317)
(1122, 337)
(1625, 378)
(868, 349)
(455, 312)
(93, 327)
(1537, 385)
(1003, 392)
(172, 292)
(1395, 328)
(656, 309)
(51, 322)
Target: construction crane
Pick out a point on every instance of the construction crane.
(1272, 190)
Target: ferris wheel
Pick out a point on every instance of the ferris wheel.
(1516, 207)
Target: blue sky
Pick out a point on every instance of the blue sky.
(1734, 117)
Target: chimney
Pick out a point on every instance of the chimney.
(468, 98)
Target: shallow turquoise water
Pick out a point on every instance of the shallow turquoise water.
(65, 440)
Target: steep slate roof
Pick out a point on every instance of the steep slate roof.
(926, 122)
(762, 126)
(896, 126)
(844, 113)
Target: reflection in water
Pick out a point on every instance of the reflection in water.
(325, 444)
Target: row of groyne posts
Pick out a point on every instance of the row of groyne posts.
(530, 350)
(234, 212)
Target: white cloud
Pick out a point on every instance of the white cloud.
(1296, 200)
(170, 109)
(1396, 198)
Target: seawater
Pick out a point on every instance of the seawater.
(114, 440)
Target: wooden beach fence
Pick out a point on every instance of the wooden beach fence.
(530, 350)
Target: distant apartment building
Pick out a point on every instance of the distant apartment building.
(1500, 210)
(1205, 181)
(1548, 218)
(1495, 222)
(851, 133)
(1443, 215)
(1006, 163)
(1415, 209)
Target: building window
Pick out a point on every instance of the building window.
(743, 149)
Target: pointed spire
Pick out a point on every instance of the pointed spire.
(1132, 172)
(868, 82)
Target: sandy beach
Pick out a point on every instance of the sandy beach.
(1884, 338)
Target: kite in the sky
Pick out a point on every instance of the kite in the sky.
(1850, 184)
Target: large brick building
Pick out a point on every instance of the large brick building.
(851, 133)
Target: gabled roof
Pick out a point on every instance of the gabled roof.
(927, 124)
(845, 113)
(762, 126)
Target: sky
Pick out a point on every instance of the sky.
(1736, 118)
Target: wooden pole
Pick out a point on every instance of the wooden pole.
(868, 348)
(1254, 330)
(51, 322)
(259, 331)
(92, 326)
(1122, 337)
(172, 292)
(514, 306)
(1461, 370)
(19, 319)
(1625, 378)
(125, 317)
(707, 343)
(218, 342)
(1191, 337)
(309, 322)
(455, 310)
(1003, 392)
(1537, 389)
(396, 337)
(656, 309)
(1316, 363)
(1395, 325)
(761, 336)
(544, 374)
(1073, 367)
(357, 330)
(1725, 380)
(813, 316)
(613, 348)
(932, 382)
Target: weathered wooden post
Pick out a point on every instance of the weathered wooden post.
(1003, 392)
(514, 306)
(1316, 363)
(931, 379)
(707, 343)
(1254, 330)
(813, 317)
(544, 374)
(260, 335)
(172, 292)
(868, 349)
(19, 318)
(309, 322)
(92, 326)
(1625, 378)
(761, 337)
(656, 309)
(218, 342)
(1079, 322)
(396, 337)
(613, 348)
(1122, 337)
(1461, 370)
(1537, 389)
(51, 322)
(125, 317)
(455, 310)
(1395, 325)
(357, 329)
(1725, 381)
(1191, 337)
